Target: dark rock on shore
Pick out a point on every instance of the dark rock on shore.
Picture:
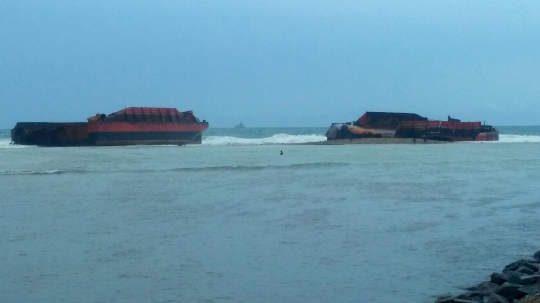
(536, 256)
(528, 299)
(470, 296)
(510, 291)
(515, 265)
(532, 289)
(454, 300)
(485, 288)
(519, 282)
(525, 270)
(527, 280)
(495, 298)
(500, 278)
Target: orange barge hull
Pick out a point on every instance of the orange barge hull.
(130, 126)
(447, 131)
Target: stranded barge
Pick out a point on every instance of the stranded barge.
(407, 125)
(130, 126)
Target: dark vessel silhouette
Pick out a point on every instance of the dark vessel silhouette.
(130, 126)
(407, 125)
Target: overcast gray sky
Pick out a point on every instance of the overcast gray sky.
(271, 63)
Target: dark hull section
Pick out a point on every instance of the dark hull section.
(385, 120)
(371, 125)
(107, 133)
(407, 125)
(447, 131)
(50, 134)
(145, 138)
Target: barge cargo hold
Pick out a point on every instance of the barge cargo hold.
(130, 126)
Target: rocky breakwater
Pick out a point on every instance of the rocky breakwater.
(519, 282)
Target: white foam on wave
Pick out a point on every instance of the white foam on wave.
(518, 138)
(292, 139)
(4, 143)
(275, 139)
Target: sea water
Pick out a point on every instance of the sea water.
(232, 220)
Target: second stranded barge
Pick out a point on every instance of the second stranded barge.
(130, 126)
(406, 125)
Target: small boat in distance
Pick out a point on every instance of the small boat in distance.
(239, 125)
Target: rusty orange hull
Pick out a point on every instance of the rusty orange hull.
(447, 131)
(132, 126)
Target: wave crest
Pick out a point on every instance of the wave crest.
(518, 138)
(7, 144)
(275, 139)
(289, 139)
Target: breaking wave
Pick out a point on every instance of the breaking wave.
(290, 139)
(227, 140)
(6, 143)
(295, 139)
(518, 138)
(275, 139)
